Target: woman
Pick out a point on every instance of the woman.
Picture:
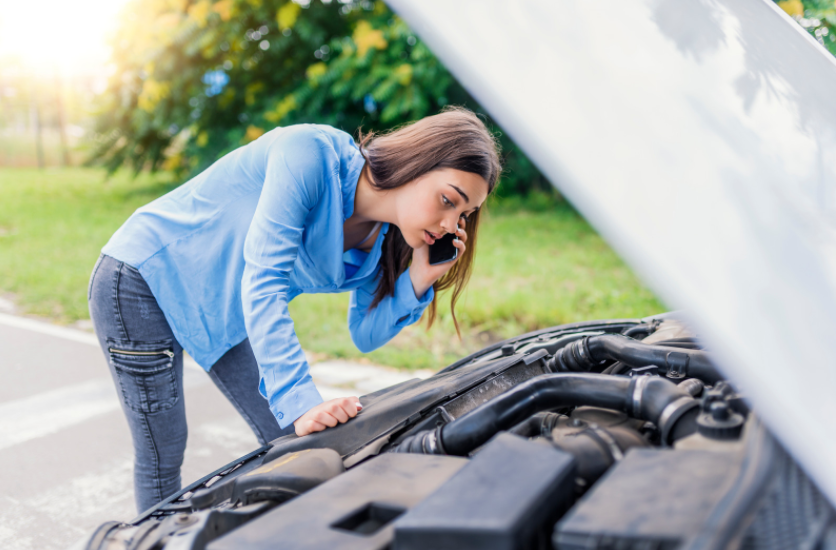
(211, 267)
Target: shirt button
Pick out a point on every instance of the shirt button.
(333, 287)
(280, 415)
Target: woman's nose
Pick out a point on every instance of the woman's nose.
(449, 225)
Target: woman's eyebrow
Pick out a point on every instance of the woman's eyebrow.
(462, 193)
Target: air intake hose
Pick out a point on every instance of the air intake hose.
(584, 354)
(650, 398)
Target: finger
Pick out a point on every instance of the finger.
(351, 406)
(461, 234)
(460, 245)
(324, 417)
(307, 427)
(316, 426)
(337, 411)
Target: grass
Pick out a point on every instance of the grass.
(538, 264)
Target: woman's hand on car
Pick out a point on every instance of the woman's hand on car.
(327, 415)
(424, 275)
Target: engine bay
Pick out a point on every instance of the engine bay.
(615, 434)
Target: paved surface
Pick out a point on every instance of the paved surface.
(65, 450)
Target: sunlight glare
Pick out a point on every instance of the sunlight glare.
(50, 36)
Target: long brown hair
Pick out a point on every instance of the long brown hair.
(455, 138)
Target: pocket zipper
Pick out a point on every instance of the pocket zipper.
(169, 353)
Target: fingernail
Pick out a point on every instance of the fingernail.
(359, 407)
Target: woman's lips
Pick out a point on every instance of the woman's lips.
(429, 237)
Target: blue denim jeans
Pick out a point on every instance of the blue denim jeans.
(146, 363)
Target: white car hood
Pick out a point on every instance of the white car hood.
(699, 138)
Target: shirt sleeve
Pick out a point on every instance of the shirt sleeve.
(370, 329)
(297, 167)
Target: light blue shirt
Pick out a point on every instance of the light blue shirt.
(227, 251)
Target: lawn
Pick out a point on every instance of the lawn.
(538, 264)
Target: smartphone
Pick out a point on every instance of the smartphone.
(443, 251)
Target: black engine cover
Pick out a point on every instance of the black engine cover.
(506, 498)
(353, 511)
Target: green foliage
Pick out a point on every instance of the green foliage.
(194, 80)
(817, 16)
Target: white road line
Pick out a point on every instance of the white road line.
(46, 328)
(51, 411)
(53, 517)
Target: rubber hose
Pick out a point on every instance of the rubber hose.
(539, 424)
(693, 386)
(645, 397)
(583, 355)
(638, 330)
(596, 449)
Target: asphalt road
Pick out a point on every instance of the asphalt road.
(65, 450)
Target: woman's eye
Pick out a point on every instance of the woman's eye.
(447, 201)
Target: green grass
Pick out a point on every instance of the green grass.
(538, 264)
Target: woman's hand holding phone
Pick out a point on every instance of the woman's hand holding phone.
(327, 415)
(423, 274)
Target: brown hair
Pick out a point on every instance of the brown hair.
(455, 138)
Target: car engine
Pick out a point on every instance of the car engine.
(617, 434)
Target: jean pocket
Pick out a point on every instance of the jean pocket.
(145, 371)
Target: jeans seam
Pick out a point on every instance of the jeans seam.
(262, 440)
(158, 487)
(120, 322)
(93, 276)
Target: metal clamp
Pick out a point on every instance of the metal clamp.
(672, 413)
(638, 390)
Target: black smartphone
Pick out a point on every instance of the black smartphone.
(443, 251)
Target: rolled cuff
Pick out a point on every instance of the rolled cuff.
(408, 303)
(290, 406)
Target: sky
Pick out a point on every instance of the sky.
(67, 36)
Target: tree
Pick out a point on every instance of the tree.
(817, 16)
(196, 79)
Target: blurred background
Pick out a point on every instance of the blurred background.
(107, 104)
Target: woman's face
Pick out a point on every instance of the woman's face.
(429, 206)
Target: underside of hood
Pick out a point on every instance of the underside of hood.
(699, 138)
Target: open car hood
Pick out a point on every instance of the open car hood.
(699, 138)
